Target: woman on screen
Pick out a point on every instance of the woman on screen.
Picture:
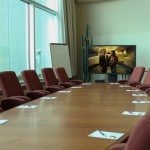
(113, 60)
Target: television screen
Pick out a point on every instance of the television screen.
(100, 58)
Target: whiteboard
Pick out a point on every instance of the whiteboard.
(60, 57)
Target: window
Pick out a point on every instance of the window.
(52, 4)
(16, 36)
(13, 35)
(45, 33)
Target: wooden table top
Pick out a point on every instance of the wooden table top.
(64, 123)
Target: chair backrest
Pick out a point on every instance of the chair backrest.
(137, 74)
(147, 78)
(49, 76)
(31, 80)
(10, 85)
(140, 136)
(62, 75)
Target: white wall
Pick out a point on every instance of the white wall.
(118, 22)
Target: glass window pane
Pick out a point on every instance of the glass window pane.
(4, 59)
(14, 33)
(45, 33)
(13, 43)
(52, 4)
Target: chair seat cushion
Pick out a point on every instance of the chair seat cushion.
(36, 94)
(78, 82)
(25, 98)
(8, 103)
(53, 89)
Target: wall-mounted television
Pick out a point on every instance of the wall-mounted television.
(126, 55)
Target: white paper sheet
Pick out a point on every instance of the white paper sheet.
(114, 83)
(76, 87)
(124, 86)
(133, 113)
(48, 98)
(106, 134)
(132, 90)
(2, 121)
(141, 102)
(86, 83)
(27, 106)
(64, 91)
(139, 94)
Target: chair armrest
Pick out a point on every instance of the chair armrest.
(147, 91)
(120, 146)
(143, 87)
(122, 81)
(25, 98)
(36, 94)
(10, 102)
(78, 82)
(53, 89)
(134, 84)
(66, 85)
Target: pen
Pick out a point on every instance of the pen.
(102, 133)
(130, 112)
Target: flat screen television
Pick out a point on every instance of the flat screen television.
(126, 55)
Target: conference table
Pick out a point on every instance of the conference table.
(70, 119)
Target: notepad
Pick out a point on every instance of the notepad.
(132, 90)
(48, 98)
(27, 106)
(133, 113)
(139, 94)
(86, 83)
(2, 121)
(141, 101)
(64, 91)
(106, 134)
(76, 87)
(124, 86)
(114, 83)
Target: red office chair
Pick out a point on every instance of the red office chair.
(120, 146)
(50, 79)
(135, 77)
(11, 102)
(11, 87)
(139, 138)
(147, 91)
(13, 91)
(146, 82)
(33, 83)
(63, 77)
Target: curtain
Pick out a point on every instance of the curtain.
(70, 24)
